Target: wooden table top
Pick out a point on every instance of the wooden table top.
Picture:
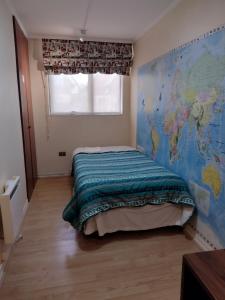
(209, 268)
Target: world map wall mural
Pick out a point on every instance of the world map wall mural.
(181, 120)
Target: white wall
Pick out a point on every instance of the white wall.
(11, 147)
(66, 133)
(188, 20)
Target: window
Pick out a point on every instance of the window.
(85, 94)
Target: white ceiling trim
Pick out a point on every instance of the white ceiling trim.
(163, 14)
(14, 13)
(72, 37)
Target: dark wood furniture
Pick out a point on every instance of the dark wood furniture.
(203, 276)
(24, 87)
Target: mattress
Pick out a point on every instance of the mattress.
(138, 218)
(115, 188)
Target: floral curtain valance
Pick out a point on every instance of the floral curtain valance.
(74, 56)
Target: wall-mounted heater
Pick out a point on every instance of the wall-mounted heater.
(9, 201)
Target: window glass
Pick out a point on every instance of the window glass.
(82, 93)
(106, 93)
(69, 93)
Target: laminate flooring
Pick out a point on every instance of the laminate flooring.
(54, 261)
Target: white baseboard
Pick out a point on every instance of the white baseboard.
(25, 208)
(198, 238)
(1, 273)
(5, 256)
(54, 175)
(202, 235)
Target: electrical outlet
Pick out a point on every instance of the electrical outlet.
(202, 197)
(62, 153)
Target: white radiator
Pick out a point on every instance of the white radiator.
(10, 202)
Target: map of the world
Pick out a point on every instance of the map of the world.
(181, 120)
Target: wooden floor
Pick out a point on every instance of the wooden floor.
(53, 261)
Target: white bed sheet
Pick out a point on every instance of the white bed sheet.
(102, 149)
(138, 218)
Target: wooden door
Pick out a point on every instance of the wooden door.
(23, 76)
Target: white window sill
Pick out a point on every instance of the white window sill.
(72, 114)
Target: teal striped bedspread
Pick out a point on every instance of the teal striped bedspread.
(104, 181)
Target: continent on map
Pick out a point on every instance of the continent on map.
(194, 102)
(149, 104)
(211, 177)
(155, 141)
(173, 125)
(201, 110)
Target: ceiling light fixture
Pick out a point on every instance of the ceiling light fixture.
(83, 30)
(83, 34)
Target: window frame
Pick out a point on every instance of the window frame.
(74, 114)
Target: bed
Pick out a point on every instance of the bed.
(120, 188)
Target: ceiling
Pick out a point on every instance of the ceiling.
(103, 19)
